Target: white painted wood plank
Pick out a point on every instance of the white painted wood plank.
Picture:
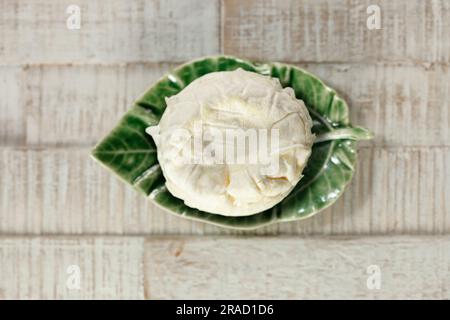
(394, 191)
(65, 191)
(336, 31)
(111, 31)
(293, 268)
(404, 105)
(39, 268)
(78, 105)
(12, 105)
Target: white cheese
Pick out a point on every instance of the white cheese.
(233, 143)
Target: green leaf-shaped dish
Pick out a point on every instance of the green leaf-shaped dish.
(131, 153)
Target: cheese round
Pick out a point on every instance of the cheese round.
(233, 143)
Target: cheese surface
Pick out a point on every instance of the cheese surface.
(233, 143)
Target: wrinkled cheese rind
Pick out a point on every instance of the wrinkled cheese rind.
(233, 100)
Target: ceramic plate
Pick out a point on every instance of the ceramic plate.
(131, 153)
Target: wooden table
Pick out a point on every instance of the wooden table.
(69, 229)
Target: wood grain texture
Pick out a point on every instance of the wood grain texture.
(78, 105)
(336, 31)
(293, 268)
(12, 114)
(111, 31)
(37, 268)
(62, 90)
(63, 191)
(226, 268)
(405, 105)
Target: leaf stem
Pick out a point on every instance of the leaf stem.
(356, 133)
